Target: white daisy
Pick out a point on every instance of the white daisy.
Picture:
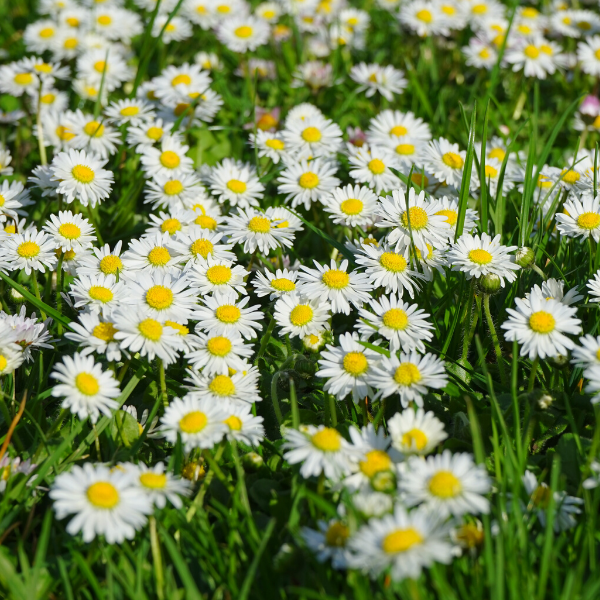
(581, 218)
(103, 262)
(211, 275)
(95, 335)
(275, 285)
(373, 78)
(416, 431)
(170, 160)
(151, 255)
(243, 425)
(298, 316)
(372, 165)
(235, 182)
(445, 161)
(30, 250)
(329, 542)
(243, 33)
(159, 485)
(219, 353)
(351, 206)
(136, 113)
(70, 232)
(223, 314)
(99, 294)
(313, 137)
(197, 243)
(240, 387)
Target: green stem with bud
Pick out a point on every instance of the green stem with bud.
(496, 342)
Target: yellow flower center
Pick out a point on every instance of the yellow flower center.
(47, 32)
(150, 329)
(542, 322)
(418, 218)
(170, 226)
(181, 329)
(94, 129)
(376, 166)
(541, 496)
(99, 66)
(480, 257)
(309, 180)
(352, 206)
(228, 313)
(407, 374)
(236, 186)
(275, 144)
(405, 149)
(159, 256)
(448, 10)
(327, 440)
(393, 262)
(179, 79)
(219, 346)
(201, 247)
(485, 53)
(28, 250)
(154, 481)
(172, 188)
(479, 9)
(234, 423)
(87, 384)
(83, 174)
(105, 332)
(101, 293)
(103, 494)
(421, 181)
(445, 484)
(129, 111)
(266, 122)
(451, 216)
(337, 534)
(159, 297)
(570, 176)
(206, 222)
(375, 462)
(64, 133)
(424, 15)
(222, 385)
(193, 422)
(169, 159)
(355, 363)
(336, 279)
(71, 43)
(588, 220)
(3, 363)
(223, 9)
(104, 20)
(395, 318)
(414, 438)
(453, 160)
(398, 130)
(219, 274)
(154, 133)
(48, 98)
(69, 231)
(23, 79)
(401, 540)
(110, 264)
(245, 31)
(311, 135)
(531, 51)
(259, 225)
(301, 315)
(283, 284)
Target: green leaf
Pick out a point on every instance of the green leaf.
(465, 184)
(124, 428)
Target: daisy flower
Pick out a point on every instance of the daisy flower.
(277, 284)
(403, 542)
(81, 177)
(348, 368)
(284, 218)
(212, 275)
(217, 354)
(92, 135)
(170, 160)
(99, 294)
(104, 501)
(30, 250)
(137, 332)
(414, 220)
(97, 63)
(103, 262)
(163, 296)
(391, 127)
(403, 325)
(86, 389)
(16, 80)
(329, 543)
(197, 243)
(159, 485)
(94, 335)
(133, 112)
(175, 83)
(416, 431)
(172, 222)
(540, 325)
(13, 198)
(374, 78)
(588, 353)
(243, 33)
(388, 269)
(305, 182)
(594, 287)
(243, 425)
(235, 182)
(448, 207)
(28, 333)
(297, 316)
(445, 161)
(70, 232)
(223, 314)
(320, 450)
(423, 18)
(588, 55)
(147, 133)
(536, 57)
(448, 484)
(410, 375)
(479, 256)
(581, 218)
(269, 144)
(552, 289)
(170, 192)
(313, 137)
(151, 255)
(351, 206)
(11, 356)
(480, 54)
(372, 166)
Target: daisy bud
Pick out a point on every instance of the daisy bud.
(545, 401)
(560, 360)
(384, 481)
(489, 284)
(524, 257)
(16, 296)
(253, 461)
(193, 471)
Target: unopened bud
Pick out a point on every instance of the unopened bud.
(253, 461)
(489, 284)
(384, 481)
(16, 296)
(524, 257)
(545, 401)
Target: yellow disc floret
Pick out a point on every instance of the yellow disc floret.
(327, 440)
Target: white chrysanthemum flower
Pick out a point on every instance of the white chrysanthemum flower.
(219, 353)
(97, 63)
(170, 160)
(104, 501)
(133, 112)
(329, 542)
(410, 376)
(270, 145)
(158, 484)
(99, 294)
(240, 387)
(372, 166)
(235, 182)
(277, 284)
(256, 231)
(403, 325)
(581, 218)
(388, 269)
(552, 289)
(424, 18)
(392, 127)
(170, 192)
(16, 80)
(198, 421)
(405, 542)
(348, 368)
(95, 335)
(320, 450)
(480, 54)
(70, 232)
(243, 33)
(224, 314)
(13, 198)
(414, 220)
(173, 222)
(479, 256)
(374, 78)
(197, 243)
(163, 296)
(352, 206)
(448, 207)
(313, 137)
(147, 133)
(305, 182)
(212, 275)
(91, 135)
(447, 484)
(137, 332)
(243, 425)
(540, 326)
(588, 353)
(445, 161)
(30, 250)
(86, 389)
(416, 432)
(103, 262)
(28, 333)
(151, 255)
(536, 57)
(11, 355)
(297, 316)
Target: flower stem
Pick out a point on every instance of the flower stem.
(497, 348)
(470, 323)
(59, 282)
(36, 291)
(532, 374)
(162, 381)
(157, 559)
(40, 129)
